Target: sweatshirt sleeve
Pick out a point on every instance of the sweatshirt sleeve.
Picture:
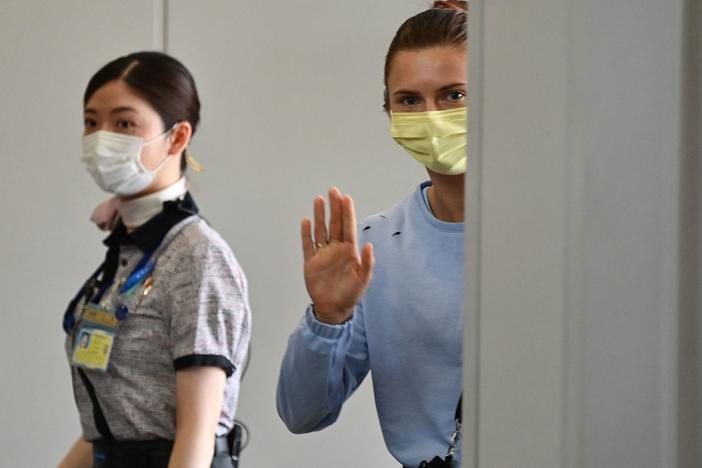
(322, 367)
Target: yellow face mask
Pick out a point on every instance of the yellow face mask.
(437, 139)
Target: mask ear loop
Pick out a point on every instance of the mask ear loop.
(192, 162)
(160, 135)
(189, 158)
(156, 138)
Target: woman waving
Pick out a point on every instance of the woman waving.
(387, 296)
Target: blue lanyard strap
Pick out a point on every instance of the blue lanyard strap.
(69, 320)
(138, 275)
(141, 271)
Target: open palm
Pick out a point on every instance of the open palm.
(336, 275)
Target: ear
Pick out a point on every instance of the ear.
(180, 138)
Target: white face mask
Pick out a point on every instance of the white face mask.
(113, 159)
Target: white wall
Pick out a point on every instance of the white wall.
(48, 50)
(577, 144)
(521, 230)
(291, 95)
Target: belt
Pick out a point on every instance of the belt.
(139, 447)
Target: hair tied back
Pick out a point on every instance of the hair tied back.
(451, 5)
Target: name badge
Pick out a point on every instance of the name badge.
(94, 338)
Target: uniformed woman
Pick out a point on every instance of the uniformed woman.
(157, 336)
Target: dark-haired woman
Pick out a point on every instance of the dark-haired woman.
(166, 315)
(395, 308)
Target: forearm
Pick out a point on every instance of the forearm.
(193, 448)
(312, 385)
(199, 394)
(79, 456)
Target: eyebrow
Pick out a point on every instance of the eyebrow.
(453, 85)
(116, 110)
(443, 88)
(403, 91)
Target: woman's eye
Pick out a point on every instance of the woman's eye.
(409, 100)
(124, 124)
(456, 96)
(89, 123)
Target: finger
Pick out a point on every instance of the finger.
(349, 227)
(335, 217)
(320, 226)
(365, 272)
(307, 244)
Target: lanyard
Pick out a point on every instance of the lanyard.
(69, 321)
(140, 272)
(138, 275)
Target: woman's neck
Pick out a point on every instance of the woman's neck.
(136, 211)
(446, 197)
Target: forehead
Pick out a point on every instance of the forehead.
(432, 67)
(114, 94)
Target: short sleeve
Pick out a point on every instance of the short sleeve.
(209, 308)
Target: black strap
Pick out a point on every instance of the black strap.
(437, 461)
(234, 443)
(221, 445)
(98, 415)
(459, 410)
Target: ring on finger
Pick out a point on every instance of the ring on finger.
(319, 245)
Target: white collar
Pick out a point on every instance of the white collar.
(138, 211)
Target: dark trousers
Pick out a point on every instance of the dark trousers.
(148, 454)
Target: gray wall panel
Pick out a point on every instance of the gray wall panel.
(291, 95)
(625, 110)
(579, 155)
(48, 51)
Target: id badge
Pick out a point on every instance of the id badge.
(94, 338)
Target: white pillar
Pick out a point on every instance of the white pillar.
(573, 253)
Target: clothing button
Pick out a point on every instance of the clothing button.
(123, 261)
(121, 312)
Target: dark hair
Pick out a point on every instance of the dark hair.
(158, 78)
(445, 23)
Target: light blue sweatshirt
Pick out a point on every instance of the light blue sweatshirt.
(407, 330)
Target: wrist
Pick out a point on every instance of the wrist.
(330, 315)
(192, 448)
(324, 330)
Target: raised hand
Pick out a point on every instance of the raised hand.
(336, 275)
